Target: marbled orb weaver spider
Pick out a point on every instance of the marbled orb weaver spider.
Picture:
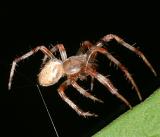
(79, 67)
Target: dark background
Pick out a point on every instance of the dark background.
(25, 25)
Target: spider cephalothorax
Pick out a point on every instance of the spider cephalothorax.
(79, 67)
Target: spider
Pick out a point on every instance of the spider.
(80, 67)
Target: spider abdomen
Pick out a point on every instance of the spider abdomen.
(50, 73)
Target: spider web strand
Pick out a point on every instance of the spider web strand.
(45, 105)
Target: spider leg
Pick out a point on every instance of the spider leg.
(84, 92)
(109, 37)
(92, 83)
(61, 49)
(108, 84)
(84, 46)
(87, 45)
(61, 91)
(28, 54)
(120, 65)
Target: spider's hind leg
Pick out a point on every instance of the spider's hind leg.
(85, 93)
(58, 47)
(43, 49)
(61, 90)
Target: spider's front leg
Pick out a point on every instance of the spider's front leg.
(109, 37)
(108, 84)
(119, 64)
(28, 54)
(86, 45)
(61, 91)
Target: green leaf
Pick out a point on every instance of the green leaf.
(142, 121)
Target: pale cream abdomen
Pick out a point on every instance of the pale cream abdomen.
(50, 73)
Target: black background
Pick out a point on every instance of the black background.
(26, 25)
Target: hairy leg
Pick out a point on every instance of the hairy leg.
(119, 64)
(92, 83)
(28, 54)
(86, 45)
(109, 37)
(108, 84)
(61, 49)
(61, 91)
(84, 92)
